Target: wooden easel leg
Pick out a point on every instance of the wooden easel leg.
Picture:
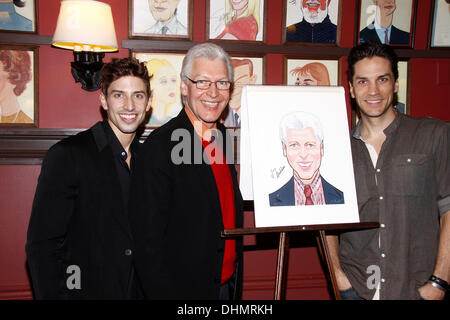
(283, 249)
(323, 249)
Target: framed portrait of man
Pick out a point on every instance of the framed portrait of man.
(440, 24)
(18, 16)
(167, 19)
(388, 21)
(248, 70)
(295, 157)
(164, 69)
(19, 83)
(312, 21)
(236, 20)
(311, 72)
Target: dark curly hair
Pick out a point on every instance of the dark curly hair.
(119, 68)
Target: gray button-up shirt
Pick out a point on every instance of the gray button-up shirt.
(406, 193)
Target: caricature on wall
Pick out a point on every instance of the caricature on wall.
(164, 69)
(160, 18)
(387, 21)
(18, 103)
(18, 15)
(295, 159)
(312, 21)
(306, 72)
(247, 71)
(236, 19)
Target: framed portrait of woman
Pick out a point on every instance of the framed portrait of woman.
(238, 20)
(388, 21)
(440, 24)
(312, 22)
(170, 19)
(18, 16)
(305, 71)
(164, 69)
(19, 83)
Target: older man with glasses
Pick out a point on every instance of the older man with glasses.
(186, 193)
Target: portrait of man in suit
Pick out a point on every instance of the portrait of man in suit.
(165, 14)
(382, 28)
(315, 26)
(243, 76)
(303, 146)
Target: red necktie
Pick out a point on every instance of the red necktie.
(308, 193)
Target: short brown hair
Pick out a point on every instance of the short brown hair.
(123, 67)
(18, 64)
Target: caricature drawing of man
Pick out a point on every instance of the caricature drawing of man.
(303, 146)
(243, 75)
(165, 14)
(382, 28)
(316, 25)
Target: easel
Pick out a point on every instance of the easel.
(283, 247)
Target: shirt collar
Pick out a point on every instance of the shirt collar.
(378, 27)
(390, 129)
(8, 7)
(115, 144)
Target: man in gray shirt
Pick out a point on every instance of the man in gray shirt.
(401, 169)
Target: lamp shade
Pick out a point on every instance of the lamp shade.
(84, 23)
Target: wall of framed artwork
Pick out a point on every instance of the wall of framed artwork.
(19, 96)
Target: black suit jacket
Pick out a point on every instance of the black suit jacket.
(397, 36)
(285, 196)
(176, 217)
(78, 219)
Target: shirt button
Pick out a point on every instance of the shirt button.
(408, 160)
(378, 170)
(381, 197)
(128, 252)
(383, 255)
(383, 280)
(123, 154)
(382, 225)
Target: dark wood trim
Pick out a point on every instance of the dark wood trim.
(29, 145)
(260, 48)
(21, 38)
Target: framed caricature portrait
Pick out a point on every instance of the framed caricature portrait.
(296, 161)
(308, 72)
(164, 68)
(18, 16)
(315, 22)
(440, 26)
(19, 80)
(171, 19)
(388, 21)
(236, 20)
(247, 71)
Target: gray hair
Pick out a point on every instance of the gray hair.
(208, 50)
(300, 120)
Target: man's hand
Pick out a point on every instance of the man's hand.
(428, 292)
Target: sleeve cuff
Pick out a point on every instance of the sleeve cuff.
(444, 205)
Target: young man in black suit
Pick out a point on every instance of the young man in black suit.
(184, 193)
(79, 243)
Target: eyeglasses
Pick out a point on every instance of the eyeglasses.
(205, 84)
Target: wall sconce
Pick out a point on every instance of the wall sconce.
(87, 28)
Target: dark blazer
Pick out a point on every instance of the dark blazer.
(176, 217)
(397, 36)
(285, 196)
(78, 219)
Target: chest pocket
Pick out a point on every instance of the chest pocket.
(410, 173)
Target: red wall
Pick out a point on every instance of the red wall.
(62, 104)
